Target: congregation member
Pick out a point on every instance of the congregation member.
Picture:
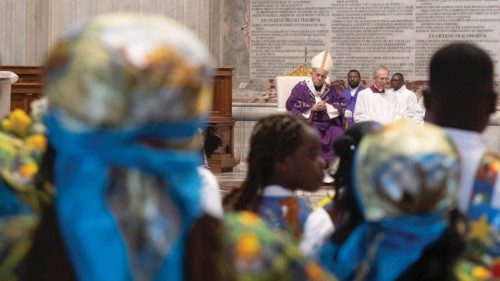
(126, 190)
(350, 94)
(376, 103)
(320, 103)
(407, 104)
(404, 177)
(284, 157)
(461, 98)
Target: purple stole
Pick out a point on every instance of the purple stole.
(351, 102)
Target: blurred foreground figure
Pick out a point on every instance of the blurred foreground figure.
(126, 96)
(461, 98)
(404, 183)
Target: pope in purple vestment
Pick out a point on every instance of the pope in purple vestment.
(329, 121)
(320, 103)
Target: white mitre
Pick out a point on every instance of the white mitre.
(322, 61)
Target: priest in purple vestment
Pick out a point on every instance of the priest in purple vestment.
(320, 103)
(350, 94)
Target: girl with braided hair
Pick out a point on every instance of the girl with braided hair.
(284, 156)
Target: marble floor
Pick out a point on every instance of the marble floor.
(228, 181)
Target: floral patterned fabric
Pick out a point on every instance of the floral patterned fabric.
(23, 191)
(405, 169)
(258, 253)
(22, 145)
(482, 256)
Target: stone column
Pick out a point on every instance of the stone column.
(7, 78)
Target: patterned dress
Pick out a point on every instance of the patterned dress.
(482, 257)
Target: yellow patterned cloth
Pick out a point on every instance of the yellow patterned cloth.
(481, 260)
(23, 193)
(403, 169)
(115, 74)
(258, 253)
(21, 150)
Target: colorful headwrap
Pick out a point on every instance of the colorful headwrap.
(405, 177)
(405, 169)
(126, 96)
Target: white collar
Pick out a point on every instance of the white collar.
(276, 190)
(310, 84)
(402, 89)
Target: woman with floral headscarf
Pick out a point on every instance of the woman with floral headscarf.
(404, 181)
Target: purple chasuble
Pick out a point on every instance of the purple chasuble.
(302, 99)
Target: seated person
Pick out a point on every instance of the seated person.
(320, 103)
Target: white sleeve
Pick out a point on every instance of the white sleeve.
(332, 111)
(415, 113)
(419, 111)
(211, 201)
(407, 107)
(401, 106)
(306, 114)
(317, 229)
(360, 113)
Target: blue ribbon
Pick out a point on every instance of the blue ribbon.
(402, 243)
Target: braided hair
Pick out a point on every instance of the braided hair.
(273, 138)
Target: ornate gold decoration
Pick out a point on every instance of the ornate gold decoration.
(300, 70)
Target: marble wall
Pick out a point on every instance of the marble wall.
(29, 28)
(253, 98)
